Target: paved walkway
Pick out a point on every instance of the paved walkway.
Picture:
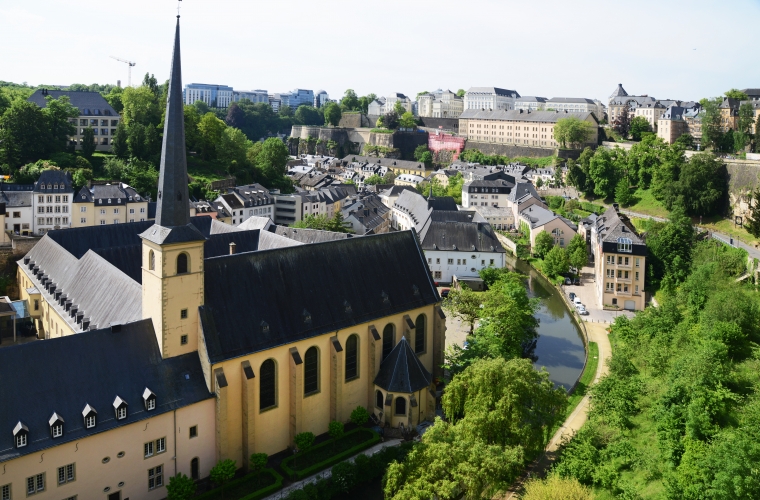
(597, 333)
(587, 293)
(283, 493)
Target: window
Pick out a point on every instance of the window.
(66, 474)
(151, 260)
(148, 448)
(267, 385)
(419, 334)
(609, 286)
(194, 431)
(183, 314)
(182, 263)
(5, 492)
(637, 262)
(121, 412)
(57, 430)
(65, 198)
(89, 421)
(400, 406)
(389, 335)
(35, 484)
(610, 259)
(183, 340)
(311, 371)
(352, 357)
(102, 211)
(437, 261)
(637, 276)
(437, 275)
(155, 477)
(451, 261)
(116, 210)
(378, 399)
(430, 260)
(21, 440)
(83, 220)
(195, 469)
(142, 210)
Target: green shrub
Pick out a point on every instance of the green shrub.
(324, 455)
(360, 415)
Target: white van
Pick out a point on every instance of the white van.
(577, 301)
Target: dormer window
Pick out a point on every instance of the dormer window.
(84, 197)
(20, 435)
(149, 398)
(90, 416)
(264, 327)
(109, 200)
(120, 407)
(306, 316)
(55, 186)
(56, 425)
(624, 245)
(50, 186)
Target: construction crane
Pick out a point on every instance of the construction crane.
(130, 63)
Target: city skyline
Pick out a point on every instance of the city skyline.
(510, 46)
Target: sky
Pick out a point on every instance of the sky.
(674, 49)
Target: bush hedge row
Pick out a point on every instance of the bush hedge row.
(332, 460)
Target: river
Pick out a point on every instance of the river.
(559, 346)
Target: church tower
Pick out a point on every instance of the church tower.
(172, 260)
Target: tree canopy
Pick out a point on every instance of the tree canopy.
(573, 132)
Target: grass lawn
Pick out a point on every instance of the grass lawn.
(323, 452)
(645, 203)
(586, 378)
(726, 226)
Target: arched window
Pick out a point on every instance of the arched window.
(400, 406)
(195, 468)
(311, 371)
(352, 357)
(182, 263)
(419, 334)
(151, 260)
(388, 339)
(267, 385)
(378, 399)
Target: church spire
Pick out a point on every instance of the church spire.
(173, 200)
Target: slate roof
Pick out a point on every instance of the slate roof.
(89, 103)
(570, 100)
(619, 91)
(402, 371)
(442, 203)
(13, 199)
(304, 235)
(448, 231)
(492, 90)
(516, 115)
(531, 99)
(612, 225)
(64, 374)
(538, 216)
(54, 177)
(277, 286)
(521, 190)
(385, 162)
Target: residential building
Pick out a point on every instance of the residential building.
(575, 105)
(487, 193)
(254, 96)
(411, 210)
(215, 96)
(519, 127)
(241, 202)
(531, 103)
(300, 97)
(651, 112)
(398, 167)
(103, 204)
(620, 99)
(459, 243)
(94, 113)
(321, 98)
(408, 180)
(729, 114)
(291, 208)
(536, 219)
(381, 106)
(619, 261)
(490, 99)
(753, 94)
(367, 215)
(440, 104)
(150, 363)
(19, 212)
(679, 120)
(52, 199)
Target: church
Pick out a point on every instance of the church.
(164, 346)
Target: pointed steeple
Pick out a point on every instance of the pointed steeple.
(173, 200)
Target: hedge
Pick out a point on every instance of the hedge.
(333, 459)
(256, 495)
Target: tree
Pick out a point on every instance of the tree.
(88, 142)
(180, 487)
(257, 462)
(577, 252)
(136, 141)
(573, 131)
(543, 245)
(460, 93)
(623, 192)
(752, 225)
(58, 113)
(140, 106)
(24, 134)
(539, 183)
(309, 115)
(360, 416)
(639, 126)
(670, 249)
(210, 130)
(556, 262)
(152, 143)
(555, 487)
(332, 114)
(80, 177)
(232, 148)
(271, 163)
(349, 102)
(464, 304)
(711, 122)
(223, 472)
(365, 101)
(399, 108)
(757, 134)
(119, 142)
(736, 94)
(303, 442)
(687, 141)
(203, 108)
(390, 120)
(622, 123)
(113, 97)
(336, 431)
(407, 121)
(235, 116)
(702, 184)
(603, 170)
(372, 180)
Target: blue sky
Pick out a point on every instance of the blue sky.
(551, 48)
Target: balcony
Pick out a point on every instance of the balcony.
(623, 280)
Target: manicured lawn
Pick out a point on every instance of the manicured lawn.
(645, 203)
(586, 378)
(244, 486)
(327, 450)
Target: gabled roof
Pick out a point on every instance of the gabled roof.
(65, 374)
(59, 180)
(303, 235)
(461, 231)
(492, 91)
(570, 100)
(538, 216)
(276, 286)
(402, 372)
(89, 103)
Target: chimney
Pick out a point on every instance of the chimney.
(233, 248)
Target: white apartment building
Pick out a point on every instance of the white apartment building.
(385, 105)
(254, 96)
(216, 96)
(490, 98)
(52, 200)
(576, 105)
(530, 103)
(440, 104)
(19, 216)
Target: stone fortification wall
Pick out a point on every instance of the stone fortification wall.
(448, 124)
(355, 120)
(509, 150)
(353, 140)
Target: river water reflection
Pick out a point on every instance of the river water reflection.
(559, 347)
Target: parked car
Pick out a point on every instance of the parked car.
(582, 310)
(445, 292)
(568, 281)
(577, 301)
(572, 297)
(577, 282)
